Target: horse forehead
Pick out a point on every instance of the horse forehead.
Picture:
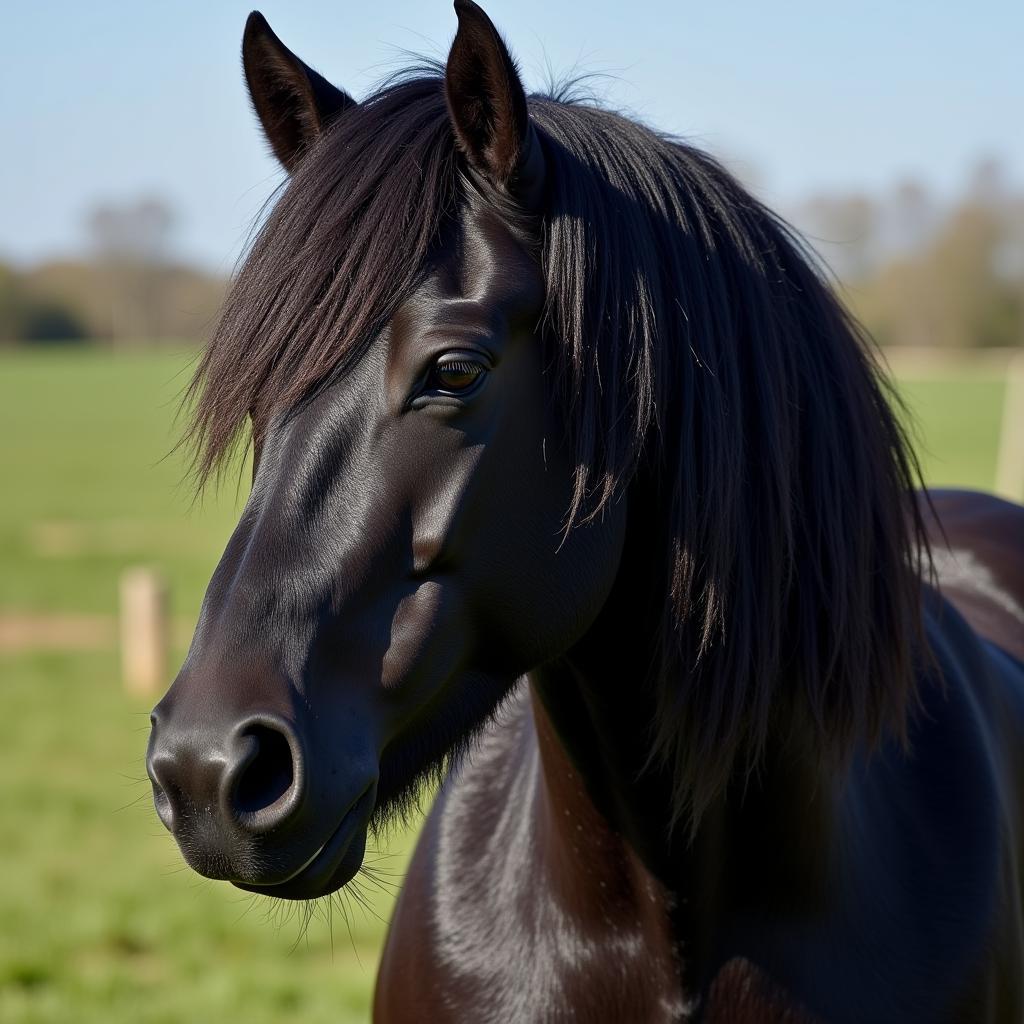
(477, 285)
(434, 311)
(496, 266)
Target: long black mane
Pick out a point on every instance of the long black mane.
(697, 354)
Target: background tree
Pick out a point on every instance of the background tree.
(131, 244)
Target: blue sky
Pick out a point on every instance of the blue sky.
(110, 101)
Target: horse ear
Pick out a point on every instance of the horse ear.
(291, 100)
(488, 109)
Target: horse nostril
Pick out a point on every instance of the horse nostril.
(249, 777)
(265, 777)
(162, 793)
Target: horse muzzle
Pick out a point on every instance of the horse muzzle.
(239, 802)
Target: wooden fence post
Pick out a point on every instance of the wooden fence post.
(144, 631)
(1010, 462)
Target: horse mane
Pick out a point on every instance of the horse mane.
(700, 358)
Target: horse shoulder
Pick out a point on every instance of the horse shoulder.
(978, 551)
(743, 993)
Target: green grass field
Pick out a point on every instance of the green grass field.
(100, 923)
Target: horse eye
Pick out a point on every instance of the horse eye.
(456, 374)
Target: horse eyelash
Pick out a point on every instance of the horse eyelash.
(462, 365)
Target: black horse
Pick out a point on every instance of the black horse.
(573, 474)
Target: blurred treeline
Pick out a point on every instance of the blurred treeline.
(915, 268)
(127, 289)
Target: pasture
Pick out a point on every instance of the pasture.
(100, 921)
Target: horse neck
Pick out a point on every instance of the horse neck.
(603, 895)
(765, 844)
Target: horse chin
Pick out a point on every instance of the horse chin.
(332, 865)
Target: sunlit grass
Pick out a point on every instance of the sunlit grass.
(956, 423)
